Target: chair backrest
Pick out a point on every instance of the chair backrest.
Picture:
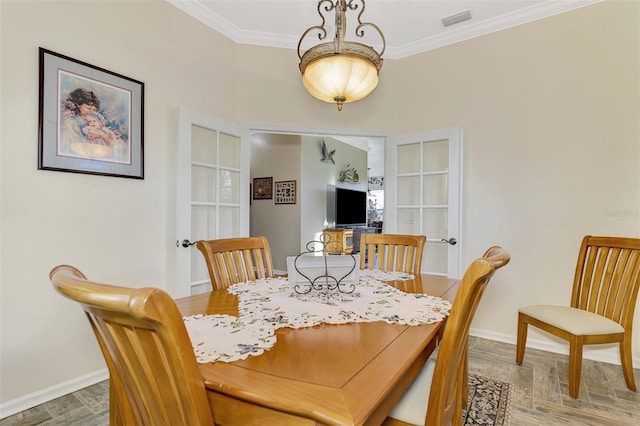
(608, 277)
(236, 260)
(392, 252)
(152, 366)
(442, 398)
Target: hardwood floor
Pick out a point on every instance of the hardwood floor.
(541, 392)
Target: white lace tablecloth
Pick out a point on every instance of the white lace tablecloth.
(269, 304)
(380, 275)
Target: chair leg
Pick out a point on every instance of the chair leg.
(627, 363)
(575, 365)
(522, 339)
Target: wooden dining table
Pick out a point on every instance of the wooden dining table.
(347, 374)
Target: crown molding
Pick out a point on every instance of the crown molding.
(508, 20)
(468, 31)
(229, 30)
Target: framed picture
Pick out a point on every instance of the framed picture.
(91, 120)
(263, 188)
(286, 192)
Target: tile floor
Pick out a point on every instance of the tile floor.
(541, 393)
(86, 407)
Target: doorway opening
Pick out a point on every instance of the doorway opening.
(297, 156)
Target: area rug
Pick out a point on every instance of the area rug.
(489, 402)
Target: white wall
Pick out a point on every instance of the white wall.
(114, 229)
(277, 156)
(316, 175)
(550, 111)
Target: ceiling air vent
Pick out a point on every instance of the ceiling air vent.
(457, 18)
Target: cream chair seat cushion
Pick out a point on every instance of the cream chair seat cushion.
(575, 321)
(412, 408)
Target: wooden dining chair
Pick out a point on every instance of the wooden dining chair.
(236, 260)
(436, 395)
(154, 376)
(392, 252)
(605, 292)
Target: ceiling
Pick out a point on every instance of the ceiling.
(409, 26)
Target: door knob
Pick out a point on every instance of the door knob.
(451, 241)
(185, 243)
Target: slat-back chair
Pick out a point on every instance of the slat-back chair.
(392, 252)
(603, 300)
(235, 260)
(436, 395)
(154, 375)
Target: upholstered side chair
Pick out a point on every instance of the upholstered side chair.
(235, 260)
(436, 395)
(392, 252)
(605, 292)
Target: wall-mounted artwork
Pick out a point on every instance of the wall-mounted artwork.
(327, 156)
(286, 192)
(263, 188)
(376, 182)
(91, 120)
(349, 174)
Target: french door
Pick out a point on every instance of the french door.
(212, 192)
(423, 194)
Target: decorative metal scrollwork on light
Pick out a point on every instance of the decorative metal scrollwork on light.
(340, 71)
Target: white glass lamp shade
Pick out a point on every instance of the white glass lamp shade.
(340, 71)
(340, 75)
(340, 78)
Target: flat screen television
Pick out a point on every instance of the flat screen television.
(347, 207)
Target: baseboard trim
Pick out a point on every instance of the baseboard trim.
(602, 355)
(25, 402)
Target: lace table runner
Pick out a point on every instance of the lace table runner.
(227, 338)
(380, 275)
(269, 304)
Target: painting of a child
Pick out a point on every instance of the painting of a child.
(92, 117)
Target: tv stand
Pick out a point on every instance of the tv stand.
(342, 241)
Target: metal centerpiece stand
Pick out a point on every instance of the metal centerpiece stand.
(325, 277)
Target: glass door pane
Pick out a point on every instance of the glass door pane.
(409, 158)
(425, 175)
(435, 220)
(213, 167)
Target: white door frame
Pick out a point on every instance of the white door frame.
(183, 262)
(187, 118)
(455, 137)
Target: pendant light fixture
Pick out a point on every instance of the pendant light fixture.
(340, 71)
